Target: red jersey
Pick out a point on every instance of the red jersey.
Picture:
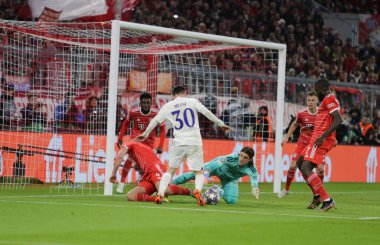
(324, 119)
(140, 122)
(146, 160)
(305, 119)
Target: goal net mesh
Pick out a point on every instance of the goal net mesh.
(54, 98)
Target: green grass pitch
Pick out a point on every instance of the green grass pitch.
(33, 217)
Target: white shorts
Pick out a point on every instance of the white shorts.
(192, 153)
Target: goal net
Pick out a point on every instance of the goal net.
(67, 87)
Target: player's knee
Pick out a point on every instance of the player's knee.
(320, 171)
(131, 196)
(230, 199)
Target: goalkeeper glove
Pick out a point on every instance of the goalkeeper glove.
(256, 192)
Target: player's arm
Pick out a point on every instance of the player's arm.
(118, 160)
(207, 113)
(123, 131)
(162, 138)
(337, 120)
(254, 179)
(158, 119)
(291, 130)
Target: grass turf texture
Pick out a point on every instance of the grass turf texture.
(33, 216)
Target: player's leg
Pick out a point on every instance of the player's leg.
(142, 192)
(177, 155)
(321, 170)
(195, 164)
(315, 156)
(183, 178)
(289, 179)
(230, 191)
(177, 190)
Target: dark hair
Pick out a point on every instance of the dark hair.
(145, 95)
(323, 83)
(178, 90)
(312, 93)
(264, 107)
(249, 151)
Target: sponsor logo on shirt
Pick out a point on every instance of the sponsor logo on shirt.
(330, 105)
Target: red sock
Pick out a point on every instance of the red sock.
(179, 190)
(312, 190)
(321, 176)
(142, 197)
(289, 178)
(317, 185)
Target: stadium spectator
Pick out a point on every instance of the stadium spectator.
(366, 51)
(94, 118)
(8, 109)
(182, 113)
(38, 121)
(367, 131)
(229, 169)
(263, 128)
(27, 113)
(67, 116)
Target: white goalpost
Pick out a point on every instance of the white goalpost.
(234, 43)
(67, 87)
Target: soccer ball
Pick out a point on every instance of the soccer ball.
(211, 196)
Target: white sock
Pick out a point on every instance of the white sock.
(199, 182)
(165, 180)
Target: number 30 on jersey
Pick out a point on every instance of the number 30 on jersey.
(187, 117)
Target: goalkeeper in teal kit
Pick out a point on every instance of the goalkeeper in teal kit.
(229, 169)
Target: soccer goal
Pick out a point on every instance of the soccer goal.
(66, 87)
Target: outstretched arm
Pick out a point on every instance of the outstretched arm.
(162, 138)
(118, 160)
(207, 113)
(123, 130)
(291, 130)
(254, 179)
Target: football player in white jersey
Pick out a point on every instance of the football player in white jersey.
(182, 113)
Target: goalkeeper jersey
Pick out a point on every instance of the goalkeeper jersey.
(227, 168)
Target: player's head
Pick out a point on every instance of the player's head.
(145, 102)
(322, 87)
(178, 90)
(263, 111)
(312, 99)
(246, 156)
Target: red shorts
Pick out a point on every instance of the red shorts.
(317, 154)
(297, 152)
(149, 181)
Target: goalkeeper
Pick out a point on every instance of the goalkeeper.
(229, 169)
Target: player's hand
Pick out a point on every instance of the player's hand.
(319, 141)
(284, 141)
(256, 192)
(140, 138)
(113, 179)
(159, 150)
(119, 143)
(336, 143)
(226, 128)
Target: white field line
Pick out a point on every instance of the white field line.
(192, 209)
(32, 243)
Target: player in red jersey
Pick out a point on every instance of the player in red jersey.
(145, 161)
(305, 119)
(323, 139)
(140, 117)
